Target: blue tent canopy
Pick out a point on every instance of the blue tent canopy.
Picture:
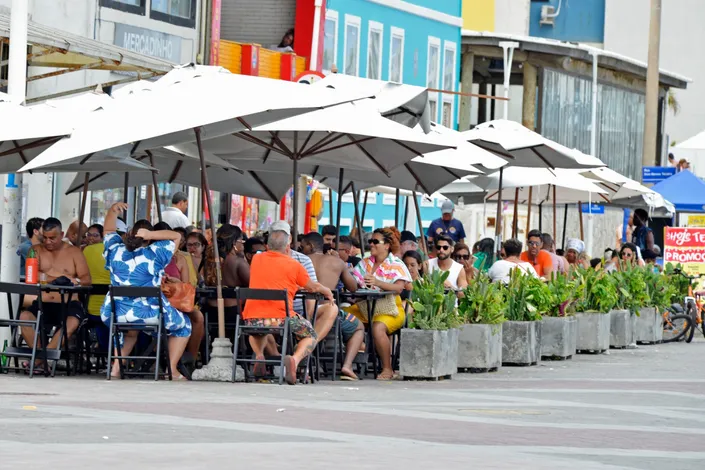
(685, 190)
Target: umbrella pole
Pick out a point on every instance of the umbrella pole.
(555, 223)
(515, 221)
(396, 208)
(219, 281)
(364, 209)
(295, 204)
(498, 220)
(406, 214)
(541, 219)
(528, 211)
(565, 223)
(340, 207)
(86, 180)
(156, 188)
(330, 205)
(424, 247)
(358, 221)
(580, 216)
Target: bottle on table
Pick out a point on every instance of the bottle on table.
(31, 267)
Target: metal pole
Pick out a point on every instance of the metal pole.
(156, 187)
(364, 209)
(580, 216)
(424, 247)
(396, 207)
(555, 221)
(508, 55)
(84, 198)
(498, 220)
(341, 174)
(541, 219)
(358, 221)
(406, 213)
(515, 220)
(528, 212)
(219, 280)
(330, 205)
(295, 203)
(652, 86)
(565, 222)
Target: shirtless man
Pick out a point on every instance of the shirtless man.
(72, 233)
(330, 270)
(57, 258)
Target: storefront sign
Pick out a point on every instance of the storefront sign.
(696, 221)
(148, 42)
(656, 174)
(596, 208)
(685, 246)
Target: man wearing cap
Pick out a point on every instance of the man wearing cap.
(447, 225)
(175, 215)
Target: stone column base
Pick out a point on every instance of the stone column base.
(220, 368)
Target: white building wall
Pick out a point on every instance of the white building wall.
(682, 35)
(512, 16)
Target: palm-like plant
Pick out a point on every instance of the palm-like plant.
(526, 297)
(482, 302)
(433, 308)
(595, 291)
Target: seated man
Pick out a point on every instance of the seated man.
(72, 234)
(330, 270)
(345, 252)
(252, 246)
(275, 269)
(56, 259)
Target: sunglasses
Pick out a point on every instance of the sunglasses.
(194, 245)
(534, 243)
(627, 254)
(443, 247)
(374, 241)
(462, 257)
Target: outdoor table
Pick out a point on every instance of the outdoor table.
(370, 296)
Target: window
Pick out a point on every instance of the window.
(374, 50)
(178, 12)
(352, 46)
(432, 74)
(449, 82)
(131, 6)
(330, 41)
(396, 55)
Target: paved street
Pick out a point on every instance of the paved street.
(631, 409)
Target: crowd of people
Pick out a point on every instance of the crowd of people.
(323, 263)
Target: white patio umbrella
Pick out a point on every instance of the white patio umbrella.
(626, 192)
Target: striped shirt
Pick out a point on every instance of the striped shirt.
(391, 270)
(308, 264)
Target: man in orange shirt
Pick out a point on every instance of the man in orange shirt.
(540, 260)
(276, 269)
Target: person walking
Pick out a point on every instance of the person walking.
(447, 225)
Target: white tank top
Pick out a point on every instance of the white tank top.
(454, 270)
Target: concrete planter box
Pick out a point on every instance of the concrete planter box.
(428, 354)
(593, 332)
(479, 347)
(622, 328)
(521, 343)
(559, 337)
(649, 326)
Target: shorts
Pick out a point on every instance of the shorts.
(51, 312)
(348, 325)
(392, 322)
(299, 326)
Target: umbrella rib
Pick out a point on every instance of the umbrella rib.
(402, 110)
(347, 144)
(99, 175)
(175, 173)
(315, 170)
(86, 158)
(134, 147)
(407, 148)
(368, 155)
(21, 152)
(452, 172)
(262, 185)
(609, 187)
(282, 146)
(479, 143)
(328, 139)
(31, 145)
(303, 147)
(267, 152)
(254, 140)
(418, 181)
(605, 198)
(244, 123)
(550, 167)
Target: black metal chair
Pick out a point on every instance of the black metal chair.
(245, 330)
(331, 349)
(209, 293)
(94, 323)
(15, 350)
(162, 346)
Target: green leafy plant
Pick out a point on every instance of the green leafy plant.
(595, 291)
(679, 284)
(433, 308)
(526, 297)
(562, 295)
(482, 302)
(630, 285)
(659, 289)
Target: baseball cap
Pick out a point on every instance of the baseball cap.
(280, 226)
(447, 207)
(407, 236)
(120, 226)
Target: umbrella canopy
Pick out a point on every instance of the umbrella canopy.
(521, 147)
(685, 190)
(405, 104)
(626, 192)
(181, 168)
(162, 114)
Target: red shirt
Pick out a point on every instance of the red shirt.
(542, 262)
(276, 271)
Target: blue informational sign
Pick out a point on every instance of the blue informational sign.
(596, 208)
(625, 224)
(656, 174)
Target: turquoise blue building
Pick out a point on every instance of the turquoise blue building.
(415, 42)
(576, 20)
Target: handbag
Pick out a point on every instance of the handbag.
(386, 305)
(181, 295)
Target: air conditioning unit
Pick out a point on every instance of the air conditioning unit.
(548, 15)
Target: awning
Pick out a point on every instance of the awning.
(69, 52)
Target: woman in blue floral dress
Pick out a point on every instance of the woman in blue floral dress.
(140, 261)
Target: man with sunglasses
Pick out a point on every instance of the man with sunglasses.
(539, 259)
(443, 262)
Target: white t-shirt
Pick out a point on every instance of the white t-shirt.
(501, 270)
(455, 270)
(175, 218)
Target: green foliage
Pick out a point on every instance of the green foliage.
(526, 297)
(595, 291)
(483, 302)
(630, 283)
(433, 308)
(679, 284)
(562, 295)
(660, 290)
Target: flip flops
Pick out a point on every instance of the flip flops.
(290, 366)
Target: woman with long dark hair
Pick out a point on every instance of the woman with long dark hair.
(485, 255)
(235, 271)
(140, 261)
